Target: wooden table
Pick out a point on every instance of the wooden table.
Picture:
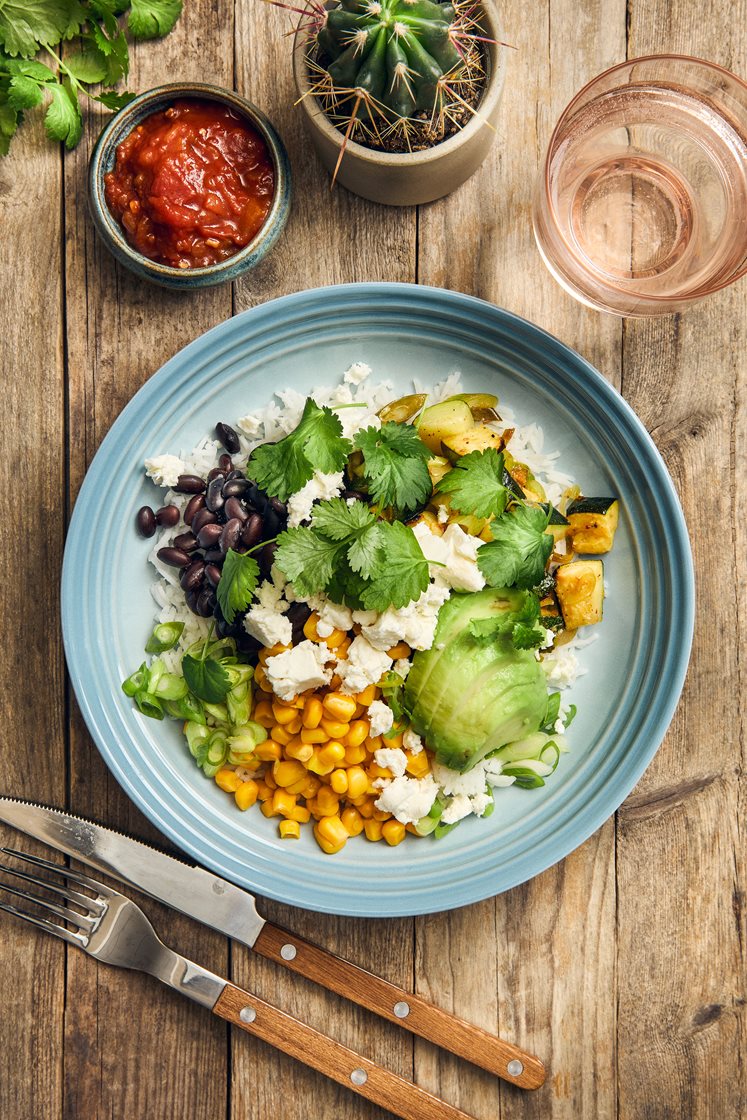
(624, 965)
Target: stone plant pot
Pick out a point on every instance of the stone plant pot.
(409, 178)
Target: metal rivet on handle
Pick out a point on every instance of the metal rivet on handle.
(288, 952)
(247, 1014)
(359, 1077)
(515, 1067)
(402, 1009)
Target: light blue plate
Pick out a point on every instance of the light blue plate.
(635, 668)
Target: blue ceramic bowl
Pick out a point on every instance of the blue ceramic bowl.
(102, 161)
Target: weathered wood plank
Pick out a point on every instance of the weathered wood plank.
(538, 963)
(119, 330)
(332, 237)
(32, 499)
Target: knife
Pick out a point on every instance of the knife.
(225, 907)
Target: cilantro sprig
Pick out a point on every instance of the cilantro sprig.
(316, 443)
(102, 58)
(395, 466)
(475, 484)
(519, 550)
(355, 558)
(522, 624)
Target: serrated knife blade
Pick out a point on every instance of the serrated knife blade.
(189, 889)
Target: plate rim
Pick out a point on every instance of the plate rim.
(178, 364)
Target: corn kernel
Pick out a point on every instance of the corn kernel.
(373, 743)
(352, 820)
(367, 696)
(264, 793)
(287, 772)
(295, 725)
(393, 741)
(280, 734)
(272, 651)
(270, 780)
(297, 788)
(335, 682)
(381, 815)
(337, 706)
(310, 627)
(261, 680)
(341, 652)
(357, 781)
(331, 755)
(247, 794)
(311, 787)
(267, 810)
(399, 651)
(358, 733)
(354, 755)
(411, 829)
(316, 766)
(283, 714)
(263, 714)
(360, 711)
(335, 639)
(298, 750)
(312, 712)
(333, 830)
(289, 830)
(301, 813)
(375, 771)
(268, 751)
(373, 830)
(418, 765)
(326, 845)
(338, 780)
(283, 802)
(393, 832)
(366, 807)
(313, 735)
(328, 802)
(228, 780)
(335, 729)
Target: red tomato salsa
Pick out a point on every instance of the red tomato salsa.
(191, 185)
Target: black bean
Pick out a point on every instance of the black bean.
(272, 522)
(191, 599)
(234, 508)
(228, 437)
(209, 535)
(191, 577)
(225, 463)
(215, 473)
(214, 499)
(256, 496)
(176, 557)
(145, 519)
(298, 614)
(190, 484)
(194, 505)
(206, 602)
(186, 541)
(214, 556)
(279, 507)
(212, 574)
(235, 487)
(252, 532)
(355, 494)
(201, 518)
(267, 557)
(168, 516)
(230, 534)
(235, 473)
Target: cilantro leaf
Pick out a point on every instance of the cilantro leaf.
(87, 66)
(8, 124)
(317, 443)
(150, 19)
(403, 577)
(29, 68)
(24, 93)
(307, 559)
(236, 586)
(394, 465)
(115, 101)
(521, 624)
(339, 521)
(27, 25)
(519, 550)
(206, 679)
(475, 484)
(527, 637)
(365, 552)
(346, 586)
(63, 120)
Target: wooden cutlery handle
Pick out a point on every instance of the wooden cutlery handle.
(331, 1058)
(372, 992)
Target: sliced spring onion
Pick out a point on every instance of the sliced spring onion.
(165, 636)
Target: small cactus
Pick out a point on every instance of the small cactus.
(396, 51)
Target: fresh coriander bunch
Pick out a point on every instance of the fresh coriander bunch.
(100, 57)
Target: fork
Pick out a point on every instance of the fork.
(114, 930)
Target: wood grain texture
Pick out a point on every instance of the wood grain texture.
(32, 500)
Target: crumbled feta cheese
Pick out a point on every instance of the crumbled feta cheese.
(408, 799)
(343, 394)
(457, 552)
(164, 469)
(365, 618)
(250, 425)
(270, 596)
(561, 668)
(414, 624)
(269, 626)
(402, 667)
(299, 669)
(453, 782)
(364, 665)
(480, 803)
(381, 717)
(458, 808)
(391, 758)
(357, 373)
(334, 615)
(412, 742)
(443, 515)
(320, 488)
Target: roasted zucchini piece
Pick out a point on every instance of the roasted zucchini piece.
(557, 526)
(402, 410)
(592, 524)
(479, 438)
(429, 518)
(440, 422)
(579, 587)
(437, 468)
(483, 406)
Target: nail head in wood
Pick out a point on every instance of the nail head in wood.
(359, 1077)
(515, 1067)
(402, 1009)
(247, 1014)
(288, 952)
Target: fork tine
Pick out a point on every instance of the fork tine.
(49, 927)
(82, 921)
(59, 869)
(69, 895)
